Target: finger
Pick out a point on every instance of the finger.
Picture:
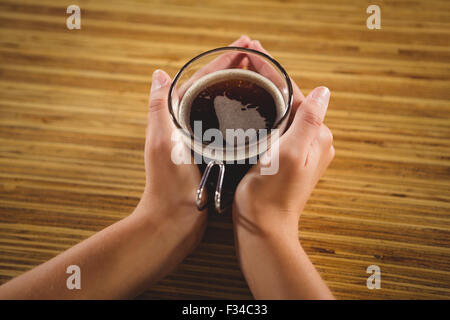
(228, 59)
(298, 96)
(263, 66)
(318, 152)
(158, 113)
(309, 117)
(242, 41)
(224, 61)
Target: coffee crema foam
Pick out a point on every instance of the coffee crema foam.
(232, 99)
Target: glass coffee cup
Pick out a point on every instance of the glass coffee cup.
(230, 105)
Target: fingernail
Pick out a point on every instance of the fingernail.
(321, 95)
(159, 79)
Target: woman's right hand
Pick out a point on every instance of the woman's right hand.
(273, 203)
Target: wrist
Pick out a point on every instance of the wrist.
(275, 236)
(177, 226)
(160, 241)
(149, 213)
(265, 224)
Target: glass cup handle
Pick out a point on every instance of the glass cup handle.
(202, 202)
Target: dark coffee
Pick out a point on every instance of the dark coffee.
(237, 103)
(231, 99)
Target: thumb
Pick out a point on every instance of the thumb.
(309, 116)
(158, 111)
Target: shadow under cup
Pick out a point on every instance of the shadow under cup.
(243, 81)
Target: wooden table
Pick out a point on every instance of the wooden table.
(73, 113)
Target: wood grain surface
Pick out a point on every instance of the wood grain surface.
(73, 114)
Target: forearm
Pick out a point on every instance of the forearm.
(276, 267)
(118, 262)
